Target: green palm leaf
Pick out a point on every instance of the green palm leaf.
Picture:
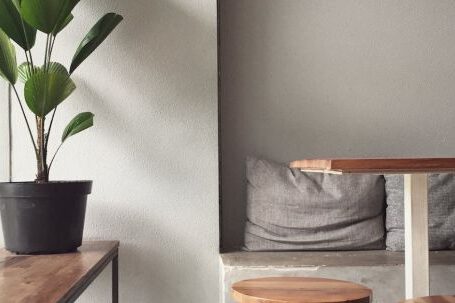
(56, 67)
(26, 71)
(45, 90)
(62, 24)
(79, 123)
(47, 16)
(8, 65)
(97, 34)
(12, 24)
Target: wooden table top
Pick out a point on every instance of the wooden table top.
(299, 290)
(380, 166)
(52, 278)
(432, 299)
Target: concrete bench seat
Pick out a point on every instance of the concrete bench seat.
(380, 270)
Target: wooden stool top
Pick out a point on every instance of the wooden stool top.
(432, 299)
(299, 290)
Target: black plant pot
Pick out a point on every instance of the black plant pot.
(43, 218)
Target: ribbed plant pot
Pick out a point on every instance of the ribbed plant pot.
(43, 218)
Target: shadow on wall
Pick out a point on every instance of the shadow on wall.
(158, 64)
(157, 132)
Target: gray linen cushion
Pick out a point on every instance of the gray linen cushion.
(292, 210)
(441, 212)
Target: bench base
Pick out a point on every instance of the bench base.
(382, 271)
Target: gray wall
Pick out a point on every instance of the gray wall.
(320, 78)
(153, 151)
(3, 132)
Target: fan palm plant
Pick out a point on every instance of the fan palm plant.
(43, 216)
(46, 85)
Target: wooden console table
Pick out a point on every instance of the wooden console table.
(415, 172)
(58, 278)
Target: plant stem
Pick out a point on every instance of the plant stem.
(29, 67)
(50, 127)
(42, 175)
(53, 157)
(51, 46)
(31, 59)
(25, 118)
(40, 151)
(46, 52)
(43, 137)
(55, 109)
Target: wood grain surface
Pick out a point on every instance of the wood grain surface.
(299, 290)
(51, 278)
(432, 299)
(409, 165)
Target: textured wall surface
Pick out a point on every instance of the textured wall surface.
(312, 78)
(153, 152)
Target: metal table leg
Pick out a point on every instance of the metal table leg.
(416, 235)
(115, 279)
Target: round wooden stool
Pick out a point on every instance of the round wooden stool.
(432, 299)
(299, 290)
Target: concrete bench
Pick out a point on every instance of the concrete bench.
(380, 270)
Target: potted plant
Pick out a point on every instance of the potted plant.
(43, 216)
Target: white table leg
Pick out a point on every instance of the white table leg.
(417, 267)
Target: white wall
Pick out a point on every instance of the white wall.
(153, 151)
(323, 78)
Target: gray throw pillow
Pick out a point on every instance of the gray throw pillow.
(441, 212)
(292, 210)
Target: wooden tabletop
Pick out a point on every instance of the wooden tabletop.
(381, 166)
(432, 299)
(52, 278)
(299, 290)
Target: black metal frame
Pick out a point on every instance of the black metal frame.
(115, 279)
(78, 289)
